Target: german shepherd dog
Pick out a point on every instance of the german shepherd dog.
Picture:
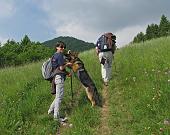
(83, 76)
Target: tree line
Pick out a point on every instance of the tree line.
(154, 31)
(14, 53)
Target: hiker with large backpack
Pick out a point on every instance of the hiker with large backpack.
(58, 68)
(105, 48)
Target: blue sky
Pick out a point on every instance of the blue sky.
(23, 18)
(42, 20)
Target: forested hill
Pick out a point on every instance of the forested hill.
(71, 43)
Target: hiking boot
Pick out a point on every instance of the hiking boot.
(63, 119)
(106, 83)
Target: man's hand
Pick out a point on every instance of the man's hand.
(68, 64)
(97, 51)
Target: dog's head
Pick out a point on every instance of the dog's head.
(74, 59)
(71, 56)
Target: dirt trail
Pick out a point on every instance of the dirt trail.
(103, 128)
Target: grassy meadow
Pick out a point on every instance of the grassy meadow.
(139, 95)
(25, 98)
(140, 89)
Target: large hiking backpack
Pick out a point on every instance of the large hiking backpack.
(107, 42)
(47, 70)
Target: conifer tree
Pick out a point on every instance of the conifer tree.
(149, 32)
(139, 38)
(25, 40)
(164, 26)
(155, 31)
(152, 31)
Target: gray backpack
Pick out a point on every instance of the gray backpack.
(47, 70)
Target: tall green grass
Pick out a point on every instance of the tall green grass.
(25, 98)
(83, 117)
(140, 90)
(139, 95)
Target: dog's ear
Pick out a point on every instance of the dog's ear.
(69, 52)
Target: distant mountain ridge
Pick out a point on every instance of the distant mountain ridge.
(72, 43)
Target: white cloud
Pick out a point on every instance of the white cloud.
(7, 8)
(76, 30)
(87, 19)
(3, 40)
(126, 35)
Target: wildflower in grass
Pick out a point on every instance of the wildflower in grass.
(154, 98)
(161, 129)
(146, 73)
(134, 79)
(166, 73)
(168, 80)
(153, 88)
(126, 78)
(19, 128)
(153, 70)
(148, 105)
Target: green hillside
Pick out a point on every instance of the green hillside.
(138, 96)
(26, 98)
(71, 42)
(140, 90)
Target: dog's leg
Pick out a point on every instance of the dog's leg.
(90, 96)
(96, 96)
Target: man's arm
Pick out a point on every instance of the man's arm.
(64, 66)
